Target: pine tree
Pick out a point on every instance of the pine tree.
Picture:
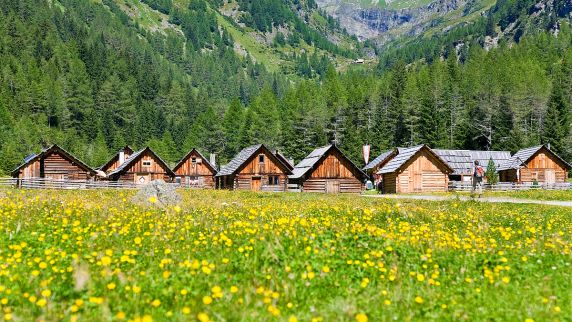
(233, 119)
(491, 173)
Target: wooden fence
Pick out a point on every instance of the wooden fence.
(43, 183)
(510, 186)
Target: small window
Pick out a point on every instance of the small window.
(146, 163)
(194, 160)
(178, 180)
(273, 180)
(261, 158)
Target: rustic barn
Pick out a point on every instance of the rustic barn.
(254, 168)
(535, 164)
(117, 160)
(415, 169)
(195, 171)
(374, 165)
(328, 170)
(462, 161)
(142, 167)
(53, 163)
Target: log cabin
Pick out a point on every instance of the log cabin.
(462, 161)
(195, 171)
(117, 160)
(254, 168)
(374, 165)
(328, 170)
(415, 169)
(536, 164)
(141, 168)
(53, 163)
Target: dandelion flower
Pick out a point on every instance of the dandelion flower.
(361, 317)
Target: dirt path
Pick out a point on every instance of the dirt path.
(485, 199)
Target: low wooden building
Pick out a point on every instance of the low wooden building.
(254, 168)
(53, 163)
(374, 165)
(535, 164)
(117, 160)
(141, 168)
(462, 161)
(415, 169)
(195, 171)
(328, 170)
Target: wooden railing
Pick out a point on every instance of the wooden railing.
(510, 186)
(43, 183)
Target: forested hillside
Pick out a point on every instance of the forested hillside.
(94, 76)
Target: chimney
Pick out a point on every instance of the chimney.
(548, 146)
(212, 159)
(121, 157)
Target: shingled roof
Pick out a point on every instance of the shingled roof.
(380, 159)
(404, 155)
(309, 163)
(53, 148)
(462, 160)
(243, 156)
(520, 158)
(115, 157)
(134, 157)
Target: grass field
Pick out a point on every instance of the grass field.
(94, 256)
(535, 194)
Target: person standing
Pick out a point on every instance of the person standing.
(477, 179)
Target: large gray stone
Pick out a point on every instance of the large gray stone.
(157, 193)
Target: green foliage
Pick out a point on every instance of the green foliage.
(491, 173)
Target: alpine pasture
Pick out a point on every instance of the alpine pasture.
(243, 256)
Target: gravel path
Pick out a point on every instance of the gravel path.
(485, 199)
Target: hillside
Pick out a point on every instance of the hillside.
(93, 76)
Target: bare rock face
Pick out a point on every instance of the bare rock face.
(158, 194)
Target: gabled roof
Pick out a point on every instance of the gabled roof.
(115, 157)
(188, 155)
(134, 157)
(405, 154)
(520, 158)
(313, 159)
(379, 160)
(284, 160)
(462, 160)
(244, 156)
(53, 148)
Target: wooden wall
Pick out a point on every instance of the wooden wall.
(200, 170)
(543, 167)
(115, 164)
(54, 166)
(333, 174)
(423, 173)
(254, 175)
(140, 174)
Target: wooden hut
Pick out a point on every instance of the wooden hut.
(535, 164)
(195, 171)
(415, 169)
(328, 170)
(53, 163)
(142, 167)
(117, 160)
(254, 168)
(374, 165)
(462, 161)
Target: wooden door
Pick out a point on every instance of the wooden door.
(417, 182)
(550, 175)
(332, 186)
(255, 184)
(142, 178)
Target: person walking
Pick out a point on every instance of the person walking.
(477, 179)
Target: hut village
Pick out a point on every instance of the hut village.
(326, 169)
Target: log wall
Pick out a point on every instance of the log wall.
(199, 170)
(137, 170)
